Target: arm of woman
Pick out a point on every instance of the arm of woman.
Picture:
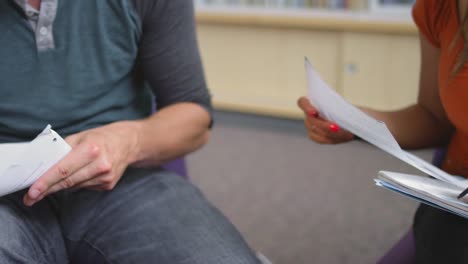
(423, 124)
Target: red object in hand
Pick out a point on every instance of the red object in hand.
(334, 128)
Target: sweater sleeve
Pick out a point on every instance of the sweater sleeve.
(169, 54)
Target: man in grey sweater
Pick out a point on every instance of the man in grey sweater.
(94, 69)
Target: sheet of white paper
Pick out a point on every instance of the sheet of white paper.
(333, 107)
(10, 153)
(24, 163)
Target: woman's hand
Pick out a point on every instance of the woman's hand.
(321, 130)
(97, 161)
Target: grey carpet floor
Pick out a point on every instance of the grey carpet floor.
(297, 201)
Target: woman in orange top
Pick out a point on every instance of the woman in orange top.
(439, 118)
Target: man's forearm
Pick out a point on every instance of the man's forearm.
(171, 132)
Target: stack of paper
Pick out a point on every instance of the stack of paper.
(23, 163)
(441, 191)
(427, 190)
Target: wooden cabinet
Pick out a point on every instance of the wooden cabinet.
(261, 70)
(379, 70)
(255, 63)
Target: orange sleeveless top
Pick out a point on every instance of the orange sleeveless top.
(438, 22)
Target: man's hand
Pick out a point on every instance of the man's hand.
(97, 161)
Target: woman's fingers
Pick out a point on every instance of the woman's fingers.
(306, 107)
(324, 131)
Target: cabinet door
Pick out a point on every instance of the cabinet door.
(261, 69)
(380, 70)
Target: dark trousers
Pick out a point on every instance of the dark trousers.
(152, 216)
(440, 237)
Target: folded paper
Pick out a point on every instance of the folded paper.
(23, 163)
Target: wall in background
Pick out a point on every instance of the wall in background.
(254, 57)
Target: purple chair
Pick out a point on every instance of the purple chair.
(178, 166)
(404, 252)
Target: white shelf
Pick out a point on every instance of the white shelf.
(365, 16)
(336, 20)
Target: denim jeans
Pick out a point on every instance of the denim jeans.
(152, 216)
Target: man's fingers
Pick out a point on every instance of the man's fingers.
(99, 188)
(73, 140)
(106, 178)
(89, 173)
(102, 183)
(78, 158)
